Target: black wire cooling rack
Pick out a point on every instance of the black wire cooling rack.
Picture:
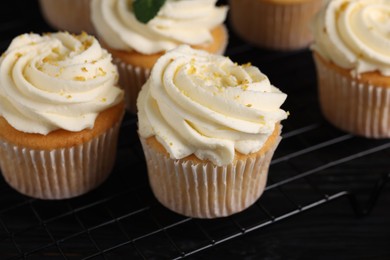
(122, 218)
(314, 165)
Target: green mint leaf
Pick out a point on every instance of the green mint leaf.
(146, 10)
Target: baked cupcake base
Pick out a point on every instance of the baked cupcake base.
(359, 105)
(199, 189)
(50, 167)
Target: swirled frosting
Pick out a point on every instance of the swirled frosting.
(178, 22)
(203, 104)
(355, 34)
(56, 81)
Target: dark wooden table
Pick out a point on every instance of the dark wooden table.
(327, 197)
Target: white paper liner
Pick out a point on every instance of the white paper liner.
(204, 190)
(131, 79)
(68, 15)
(276, 26)
(353, 106)
(59, 173)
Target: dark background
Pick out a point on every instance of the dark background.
(327, 195)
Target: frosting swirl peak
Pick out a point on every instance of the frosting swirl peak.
(56, 81)
(178, 22)
(355, 34)
(204, 104)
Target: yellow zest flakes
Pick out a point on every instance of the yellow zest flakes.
(79, 78)
(247, 65)
(192, 70)
(18, 55)
(244, 81)
(171, 144)
(69, 96)
(86, 44)
(249, 105)
(184, 93)
(217, 75)
(83, 37)
(56, 50)
(220, 88)
(84, 69)
(288, 113)
(104, 99)
(102, 72)
(237, 97)
(244, 87)
(46, 59)
(83, 34)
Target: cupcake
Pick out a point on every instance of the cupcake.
(274, 24)
(60, 112)
(67, 15)
(352, 57)
(208, 129)
(136, 41)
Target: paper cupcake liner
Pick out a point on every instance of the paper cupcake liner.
(204, 190)
(353, 106)
(59, 173)
(131, 79)
(69, 15)
(271, 25)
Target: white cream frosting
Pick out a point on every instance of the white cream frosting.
(178, 22)
(56, 81)
(203, 104)
(355, 34)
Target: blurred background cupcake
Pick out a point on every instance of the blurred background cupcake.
(60, 112)
(67, 15)
(209, 128)
(352, 55)
(274, 24)
(138, 34)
